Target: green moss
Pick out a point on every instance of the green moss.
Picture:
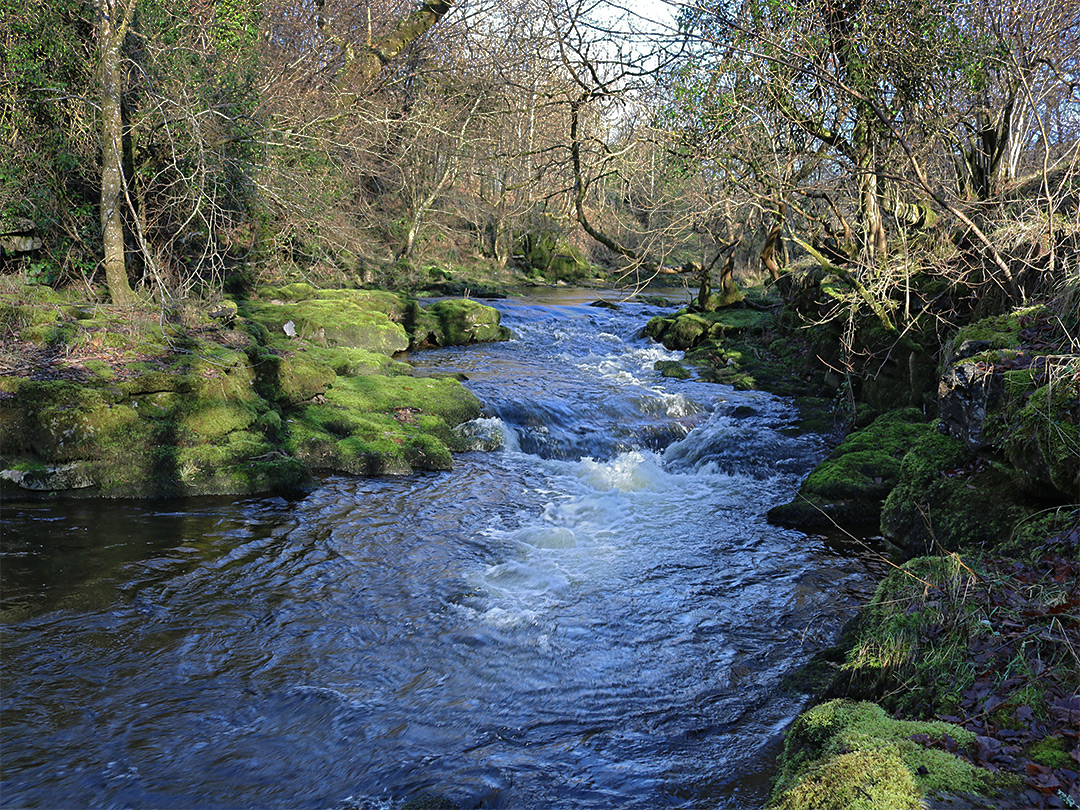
(340, 322)
(1000, 331)
(16, 316)
(657, 327)
(1053, 752)
(686, 332)
(947, 499)
(382, 425)
(213, 419)
(672, 368)
(858, 780)
(735, 319)
(1042, 437)
(462, 321)
(297, 291)
(393, 305)
(850, 486)
(814, 771)
(296, 377)
(423, 327)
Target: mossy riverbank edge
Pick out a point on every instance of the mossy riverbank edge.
(241, 397)
(957, 684)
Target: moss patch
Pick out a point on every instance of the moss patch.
(672, 368)
(1041, 428)
(463, 321)
(841, 750)
(946, 497)
(850, 486)
(332, 322)
(382, 425)
(178, 408)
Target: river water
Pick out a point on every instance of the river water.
(596, 615)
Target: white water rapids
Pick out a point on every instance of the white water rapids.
(596, 615)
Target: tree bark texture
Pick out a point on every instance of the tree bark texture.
(112, 27)
(362, 67)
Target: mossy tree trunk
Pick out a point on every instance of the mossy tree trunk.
(364, 63)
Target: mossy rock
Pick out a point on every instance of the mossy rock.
(391, 304)
(63, 421)
(740, 319)
(334, 323)
(657, 326)
(214, 372)
(207, 421)
(849, 487)
(1042, 431)
(425, 329)
(463, 321)
(673, 369)
(854, 780)
(345, 361)
(948, 498)
(686, 331)
(845, 754)
(196, 432)
(999, 331)
(291, 377)
(297, 291)
(382, 425)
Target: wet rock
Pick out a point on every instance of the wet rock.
(967, 396)
(672, 368)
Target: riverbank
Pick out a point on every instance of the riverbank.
(960, 679)
(240, 397)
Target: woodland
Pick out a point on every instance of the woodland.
(166, 148)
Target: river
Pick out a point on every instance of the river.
(596, 615)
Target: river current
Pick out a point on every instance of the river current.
(595, 615)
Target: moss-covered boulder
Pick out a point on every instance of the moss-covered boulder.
(849, 487)
(462, 321)
(333, 322)
(292, 374)
(382, 425)
(1039, 429)
(139, 407)
(844, 754)
(673, 369)
(948, 498)
(168, 435)
(687, 329)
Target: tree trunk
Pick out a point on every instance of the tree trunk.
(768, 253)
(111, 31)
(871, 220)
(363, 67)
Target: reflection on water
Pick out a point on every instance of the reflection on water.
(595, 616)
